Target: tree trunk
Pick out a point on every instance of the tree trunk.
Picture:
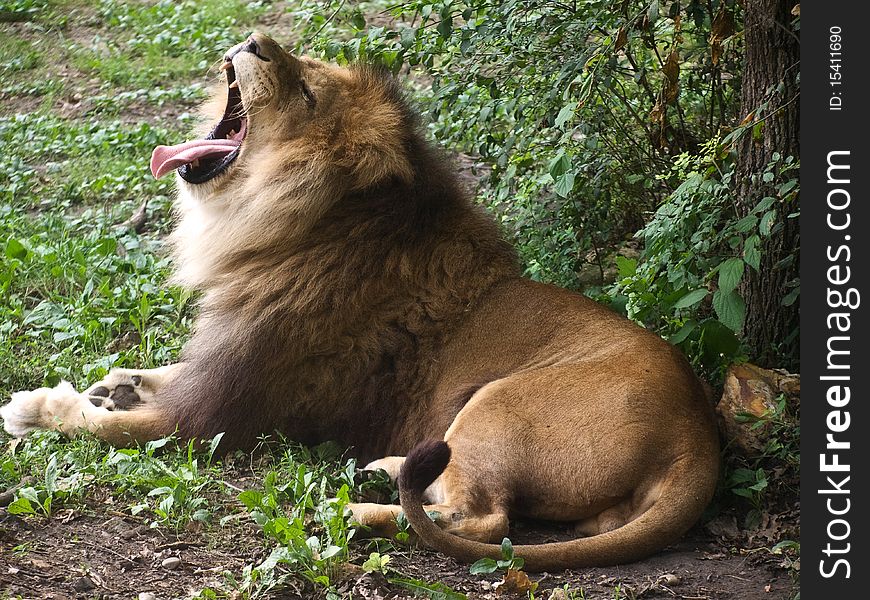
(772, 59)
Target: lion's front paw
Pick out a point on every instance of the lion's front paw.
(121, 389)
(32, 410)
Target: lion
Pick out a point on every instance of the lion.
(351, 291)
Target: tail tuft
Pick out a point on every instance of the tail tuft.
(424, 464)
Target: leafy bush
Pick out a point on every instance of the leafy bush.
(697, 249)
(575, 107)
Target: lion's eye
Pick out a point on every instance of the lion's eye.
(308, 95)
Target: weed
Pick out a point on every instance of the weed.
(508, 561)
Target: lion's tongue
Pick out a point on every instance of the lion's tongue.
(166, 158)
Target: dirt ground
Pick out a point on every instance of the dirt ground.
(97, 551)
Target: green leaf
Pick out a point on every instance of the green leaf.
(730, 309)
(747, 223)
(21, 506)
(358, 20)
(653, 11)
(332, 50)
(559, 165)
(684, 332)
(213, 444)
(331, 550)
(786, 187)
(251, 499)
(445, 27)
(626, 266)
(566, 114)
(484, 565)
(766, 223)
(433, 591)
(792, 296)
(15, 249)
(751, 252)
(767, 177)
(718, 340)
(764, 204)
(30, 494)
(730, 274)
(51, 474)
(565, 184)
(407, 37)
(692, 298)
(202, 515)
(507, 548)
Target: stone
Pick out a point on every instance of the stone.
(83, 584)
(753, 391)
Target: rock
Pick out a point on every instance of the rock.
(558, 594)
(670, 579)
(83, 584)
(146, 596)
(133, 532)
(173, 562)
(751, 390)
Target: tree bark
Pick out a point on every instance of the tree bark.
(770, 74)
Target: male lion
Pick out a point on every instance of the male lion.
(351, 292)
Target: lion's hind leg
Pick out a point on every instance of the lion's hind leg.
(456, 502)
(382, 520)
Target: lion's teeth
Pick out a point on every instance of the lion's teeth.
(231, 134)
(234, 84)
(195, 163)
(226, 65)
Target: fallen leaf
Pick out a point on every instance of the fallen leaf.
(515, 582)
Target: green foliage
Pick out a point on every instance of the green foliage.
(172, 485)
(574, 123)
(175, 490)
(508, 561)
(697, 251)
(312, 535)
(762, 477)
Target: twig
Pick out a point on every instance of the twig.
(178, 546)
(329, 20)
(138, 219)
(106, 548)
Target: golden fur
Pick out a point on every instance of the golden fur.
(351, 292)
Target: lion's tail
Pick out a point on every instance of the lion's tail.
(675, 511)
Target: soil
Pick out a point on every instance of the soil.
(99, 551)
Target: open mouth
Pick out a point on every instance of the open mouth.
(202, 160)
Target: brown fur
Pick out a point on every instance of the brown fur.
(352, 292)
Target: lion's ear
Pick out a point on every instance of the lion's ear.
(372, 164)
(374, 145)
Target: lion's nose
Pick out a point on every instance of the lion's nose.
(249, 45)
